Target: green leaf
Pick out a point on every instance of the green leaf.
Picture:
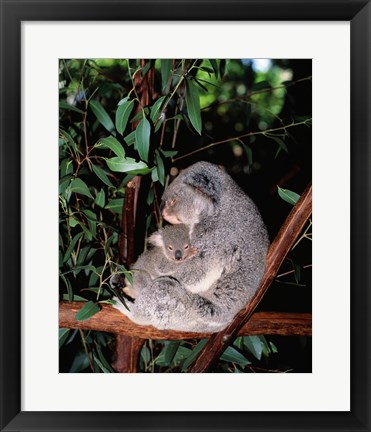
(80, 187)
(64, 183)
(233, 356)
(170, 350)
(112, 144)
(115, 205)
(191, 358)
(125, 99)
(66, 167)
(288, 196)
(142, 134)
(254, 345)
(71, 246)
(156, 108)
(100, 199)
(72, 222)
(128, 165)
(214, 65)
(297, 273)
(66, 106)
(154, 175)
(122, 115)
(102, 358)
(87, 311)
(74, 298)
(99, 172)
(102, 116)
(166, 65)
(63, 335)
(169, 153)
(130, 138)
(150, 196)
(280, 142)
(100, 365)
(193, 105)
(160, 168)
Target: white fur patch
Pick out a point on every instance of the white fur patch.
(207, 281)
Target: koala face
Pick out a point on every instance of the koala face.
(183, 204)
(177, 251)
(175, 242)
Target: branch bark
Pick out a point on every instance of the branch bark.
(276, 254)
(112, 321)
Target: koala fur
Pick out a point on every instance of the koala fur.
(204, 293)
(172, 246)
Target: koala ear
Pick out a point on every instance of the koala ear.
(156, 239)
(204, 183)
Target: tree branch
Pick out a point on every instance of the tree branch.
(112, 321)
(250, 134)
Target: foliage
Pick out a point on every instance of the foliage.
(229, 110)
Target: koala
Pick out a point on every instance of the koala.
(204, 293)
(174, 241)
(172, 246)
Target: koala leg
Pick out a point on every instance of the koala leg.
(166, 304)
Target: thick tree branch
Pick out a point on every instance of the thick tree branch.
(277, 252)
(112, 321)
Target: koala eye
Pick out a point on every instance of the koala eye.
(186, 246)
(170, 247)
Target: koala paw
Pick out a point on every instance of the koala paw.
(117, 281)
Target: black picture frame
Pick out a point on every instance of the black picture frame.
(13, 12)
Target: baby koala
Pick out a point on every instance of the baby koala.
(174, 241)
(172, 246)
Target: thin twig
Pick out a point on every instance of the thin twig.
(284, 127)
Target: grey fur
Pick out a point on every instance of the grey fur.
(205, 292)
(171, 247)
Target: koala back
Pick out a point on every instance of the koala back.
(226, 227)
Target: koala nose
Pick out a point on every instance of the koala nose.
(178, 255)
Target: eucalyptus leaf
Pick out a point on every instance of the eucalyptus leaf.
(112, 144)
(63, 335)
(160, 168)
(142, 134)
(100, 173)
(66, 167)
(288, 196)
(214, 65)
(128, 165)
(170, 350)
(254, 345)
(115, 205)
(79, 186)
(102, 116)
(122, 115)
(193, 106)
(72, 245)
(66, 106)
(169, 153)
(166, 65)
(234, 356)
(100, 199)
(87, 311)
(130, 138)
(156, 108)
(74, 298)
(192, 357)
(64, 183)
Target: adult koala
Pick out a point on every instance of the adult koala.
(207, 290)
